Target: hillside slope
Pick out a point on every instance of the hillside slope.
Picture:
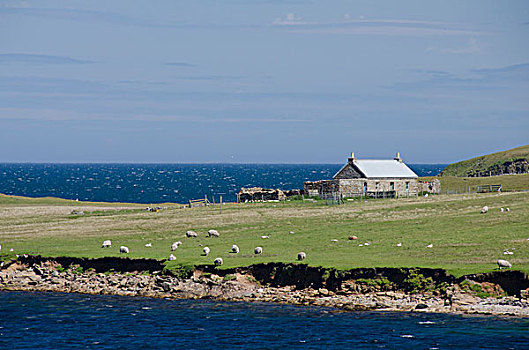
(513, 161)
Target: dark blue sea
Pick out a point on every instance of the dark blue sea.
(71, 321)
(157, 183)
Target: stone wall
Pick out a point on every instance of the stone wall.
(254, 194)
(352, 187)
(319, 188)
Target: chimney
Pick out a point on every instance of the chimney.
(398, 158)
(352, 158)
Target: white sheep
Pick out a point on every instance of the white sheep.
(507, 209)
(501, 210)
(175, 245)
(291, 232)
(258, 250)
(218, 261)
(484, 209)
(172, 257)
(265, 237)
(0, 247)
(206, 251)
(213, 233)
(107, 244)
(190, 234)
(503, 263)
(429, 246)
(302, 256)
(148, 245)
(124, 249)
(235, 249)
(399, 244)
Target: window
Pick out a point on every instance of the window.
(407, 186)
(377, 185)
(391, 186)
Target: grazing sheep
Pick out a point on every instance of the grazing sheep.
(172, 257)
(148, 245)
(258, 250)
(265, 237)
(213, 233)
(234, 249)
(507, 210)
(174, 246)
(334, 240)
(484, 209)
(302, 256)
(399, 244)
(0, 247)
(206, 251)
(501, 210)
(507, 252)
(291, 232)
(107, 244)
(429, 246)
(353, 238)
(503, 263)
(360, 245)
(367, 243)
(11, 250)
(190, 234)
(218, 261)
(124, 249)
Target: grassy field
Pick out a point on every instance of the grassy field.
(464, 241)
(462, 184)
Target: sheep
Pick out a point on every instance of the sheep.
(501, 210)
(190, 234)
(291, 232)
(172, 257)
(302, 256)
(124, 249)
(367, 244)
(218, 261)
(213, 233)
(258, 250)
(353, 238)
(429, 246)
(507, 252)
(503, 263)
(507, 210)
(234, 249)
(107, 244)
(206, 251)
(334, 240)
(0, 247)
(265, 237)
(484, 209)
(399, 244)
(175, 245)
(11, 250)
(148, 245)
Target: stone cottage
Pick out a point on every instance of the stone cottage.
(375, 178)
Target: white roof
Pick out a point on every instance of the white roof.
(384, 168)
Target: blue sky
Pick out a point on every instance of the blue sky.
(261, 81)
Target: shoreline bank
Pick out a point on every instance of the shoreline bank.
(296, 284)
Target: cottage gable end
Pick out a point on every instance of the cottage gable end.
(348, 171)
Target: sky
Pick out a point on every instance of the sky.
(241, 81)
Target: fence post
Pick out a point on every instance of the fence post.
(220, 203)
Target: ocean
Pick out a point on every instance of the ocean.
(158, 183)
(31, 320)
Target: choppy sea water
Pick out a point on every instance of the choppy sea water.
(157, 183)
(57, 321)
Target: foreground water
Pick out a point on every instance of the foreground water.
(53, 320)
(157, 183)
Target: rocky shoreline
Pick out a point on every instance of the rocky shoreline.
(359, 289)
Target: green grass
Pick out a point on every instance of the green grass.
(464, 241)
(462, 184)
(482, 163)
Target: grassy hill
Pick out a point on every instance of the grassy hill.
(496, 163)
